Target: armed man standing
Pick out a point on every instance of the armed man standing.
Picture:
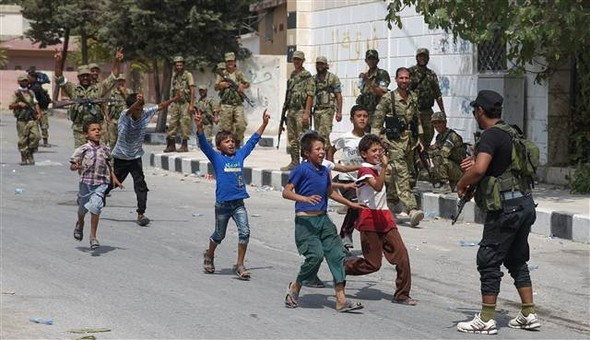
(117, 103)
(446, 153)
(87, 92)
(504, 193)
(231, 84)
(180, 113)
(27, 112)
(44, 100)
(425, 84)
(373, 85)
(300, 89)
(402, 134)
(328, 99)
(209, 112)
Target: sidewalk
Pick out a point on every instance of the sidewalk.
(559, 214)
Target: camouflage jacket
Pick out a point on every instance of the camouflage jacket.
(80, 113)
(27, 113)
(405, 110)
(450, 145)
(228, 95)
(325, 90)
(425, 83)
(207, 107)
(367, 97)
(182, 83)
(300, 85)
(117, 103)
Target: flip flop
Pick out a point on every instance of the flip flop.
(241, 272)
(350, 306)
(78, 232)
(208, 265)
(407, 301)
(291, 297)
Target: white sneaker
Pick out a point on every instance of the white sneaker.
(525, 322)
(477, 326)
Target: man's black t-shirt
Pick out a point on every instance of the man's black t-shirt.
(498, 144)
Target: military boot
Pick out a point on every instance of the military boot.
(23, 158)
(30, 159)
(184, 146)
(415, 217)
(294, 161)
(46, 143)
(171, 146)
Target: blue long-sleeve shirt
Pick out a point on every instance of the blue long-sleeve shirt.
(230, 184)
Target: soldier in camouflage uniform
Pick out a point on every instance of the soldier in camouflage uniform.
(44, 100)
(373, 85)
(231, 115)
(209, 112)
(446, 153)
(328, 99)
(85, 90)
(117, 103)
(27, 112)
(396, 118)
(180, 113)
(425, 84)
(95, 72)
(300, 89)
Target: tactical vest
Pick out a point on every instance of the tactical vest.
(28, 113)
(519, 176)
(324, 93)
(230, 95)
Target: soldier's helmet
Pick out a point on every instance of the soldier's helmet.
(178, 59)
(84, 69)
(299, 55)
(423, 51)
(438, 116)
(230, 56)
(321, 59)
(372, 54)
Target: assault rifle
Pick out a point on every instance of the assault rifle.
(235, 87)
(423, 159)
(283, 117)
(461, 204)
(82, 102)
(31, 111)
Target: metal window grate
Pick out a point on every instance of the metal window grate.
(491, 55)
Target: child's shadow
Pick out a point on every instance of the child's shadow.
(320, 301)
(98, 251)
(369, 293)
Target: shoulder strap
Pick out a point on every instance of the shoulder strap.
(393, 103)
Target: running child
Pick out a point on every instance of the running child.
(230, 190)
(94, 164)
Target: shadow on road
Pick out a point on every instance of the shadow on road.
(99, 251)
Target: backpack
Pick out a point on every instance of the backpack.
(42, 78)
(525, 154)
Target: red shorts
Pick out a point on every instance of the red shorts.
(375, 220)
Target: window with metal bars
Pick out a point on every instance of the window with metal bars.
(491, 55)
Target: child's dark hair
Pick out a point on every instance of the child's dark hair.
(88, 123)
(367, 141)
(131, 99)
(357, 108)
(308, 139)
(223, 135)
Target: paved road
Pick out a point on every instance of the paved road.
(148, 282)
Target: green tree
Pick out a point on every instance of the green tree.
(153, 32)
(549, 34)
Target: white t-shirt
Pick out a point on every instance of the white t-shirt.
(348, 143)
(374, 200)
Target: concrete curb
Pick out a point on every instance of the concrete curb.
(565, 225)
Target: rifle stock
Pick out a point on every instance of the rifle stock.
(235, 87)
(282, 122)
(423, 159)
(461, 204)
(58, 104)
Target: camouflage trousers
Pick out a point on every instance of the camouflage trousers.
(44, 123)
(425, 117)
(110, 133)
(79, 137)
(444, 170)
(322, 122)
(28, 135)
(208, 131)
(400, 155)
(179, 118)
(295, 129)
(231, 118)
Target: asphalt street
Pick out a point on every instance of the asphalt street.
(147, 282)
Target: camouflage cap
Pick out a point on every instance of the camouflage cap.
(230, 56)
(84, 69)
(321, 59)
(23, 77)
(423, 51)
(93, 65)
(299, 55)
(372, 54)
(221, 66)
(121, 76)
(438, 116)
(178, 59)
(202, 87)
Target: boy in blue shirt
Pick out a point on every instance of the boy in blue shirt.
(230, 190)
(315, 234)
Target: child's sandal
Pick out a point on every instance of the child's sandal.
(78, 232)
(291, 297)
(241, 272)
(94, 244)
(208, 265)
